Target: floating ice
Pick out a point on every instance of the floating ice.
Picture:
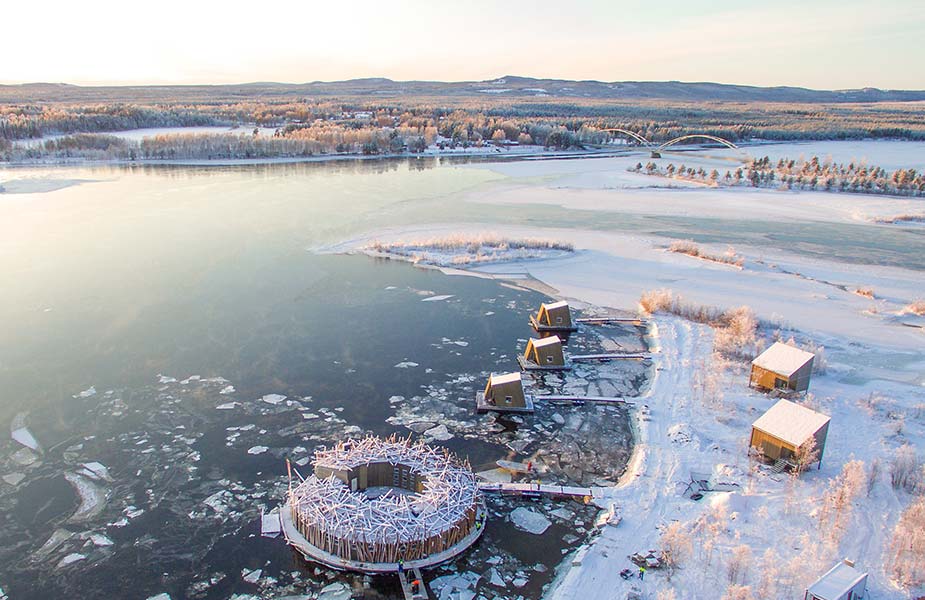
(455, 587)
(335, 591)
(439, 433)
(95, 470)
(251, 576)
(99, 539)
(273, 399)
(13, 478)
(161, 596)
(165, 379)
(70, 559)
(190, 379)
(529, 521)
(461, 343)
(228, 389)
(90, 391)
(406, 364)
(438, 298)
(494, 578)
(228, 405)
(92, 497)
(396, 399)
(519, 582)
(257, 450)
(25, 437)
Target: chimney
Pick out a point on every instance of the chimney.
(850, 563)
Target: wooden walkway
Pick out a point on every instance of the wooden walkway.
(609, 356)
(421, 594)
(535, 490)
(581, 399)
(610, 320)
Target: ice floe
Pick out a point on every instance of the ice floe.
(438, 298)
(529, 521)
(406, 364)
(257, 450)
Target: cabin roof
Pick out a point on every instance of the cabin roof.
(543, 342)
(839, 580)
(554, 305)
(505, 378)
(783, 359)
(791, 422)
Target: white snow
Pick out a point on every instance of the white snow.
(251, 576)
(95, 470)
(90, 391)
(257, 450)
(273, 399)
(438, 298)
(161, 596)
(228, 389)
(783, 359)
(228, 405)
(406, 365)
(529, 520)
(876, 374)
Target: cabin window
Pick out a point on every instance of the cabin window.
(558, 320)
(395, 476)
(781, 383)
(549, 359)
(508, 399)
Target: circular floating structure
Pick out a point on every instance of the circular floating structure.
(373, 502)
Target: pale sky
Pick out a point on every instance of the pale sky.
(824, 44)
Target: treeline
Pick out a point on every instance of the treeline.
(810, 174)
(558, 124)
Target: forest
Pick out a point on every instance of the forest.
(360, 125)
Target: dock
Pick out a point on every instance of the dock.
(529, 365)
(582, 399)
(550, 328)
(406, 588)
(482, 406)
(611, 320)
(610, 356)
(537, 490)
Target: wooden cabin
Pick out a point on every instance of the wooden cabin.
(786, 428)
(782, 367)
(554, 316)
(504, 393)
(544, 354)
(844, 581)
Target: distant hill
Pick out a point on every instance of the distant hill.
(504, 87)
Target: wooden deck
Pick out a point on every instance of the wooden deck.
(550, 328)
(481, 406)
(535, 490)
(581, 399)
(611, 320)
(529, 365)
(421, 594)
(609, 356)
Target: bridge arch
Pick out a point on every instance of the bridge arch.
(712, 138)
(632, 134)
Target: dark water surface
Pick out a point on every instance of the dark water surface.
(137, 306)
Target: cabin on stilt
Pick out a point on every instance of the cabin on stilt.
(790, 435)
(504, 393)
(543, 354)
(782, 367)
(554, 316)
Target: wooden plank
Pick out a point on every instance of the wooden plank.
(598, 399)
(529, 365)
(611, 356)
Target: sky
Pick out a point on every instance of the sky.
(822, 44)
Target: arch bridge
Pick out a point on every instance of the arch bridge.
(657, 149)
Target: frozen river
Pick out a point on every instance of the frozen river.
(142, 299)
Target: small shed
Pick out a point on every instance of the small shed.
(844, 581)
(786, 428)
(504, 393)
(543, 354)
(553, 316)
(782, 366)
